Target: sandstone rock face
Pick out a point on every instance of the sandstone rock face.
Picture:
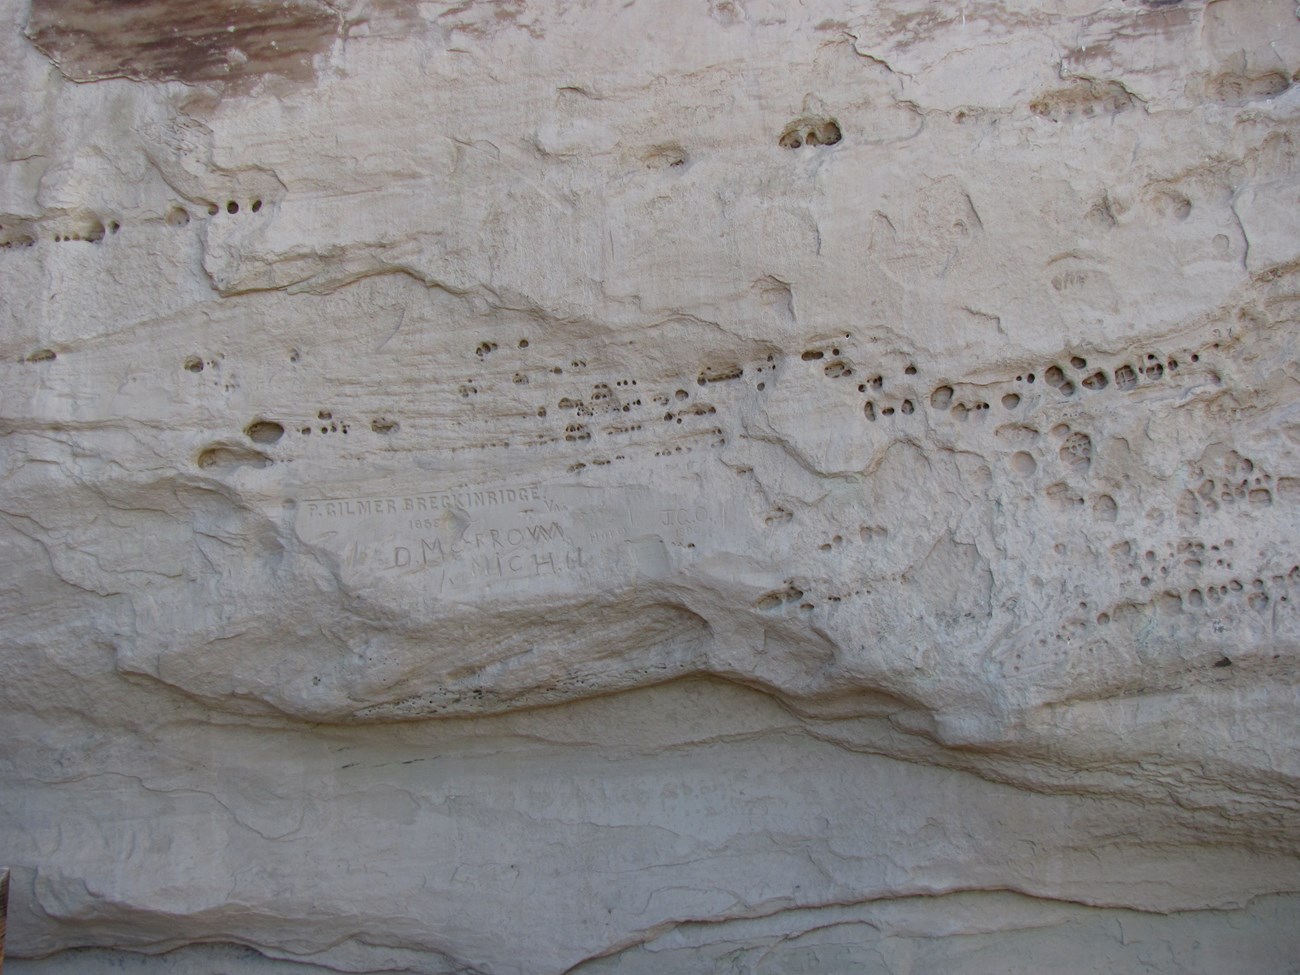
(725, 486)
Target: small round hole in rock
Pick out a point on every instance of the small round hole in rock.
(264, 431)
(257, 206)
(1096, 381)
(194, 364)
(1023, 463)
(232, 207)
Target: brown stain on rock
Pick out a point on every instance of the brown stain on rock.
(162, 40)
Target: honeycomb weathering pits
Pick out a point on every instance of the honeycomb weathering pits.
(622, 488)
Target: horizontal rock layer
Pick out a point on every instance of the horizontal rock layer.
(691, 487)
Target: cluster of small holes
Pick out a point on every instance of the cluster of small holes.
(232, 207)
(904, 408)
(873, 386)
(1124, 377)
(328, 424)
(1188, 559)
(197, 364)
(1221, 601)
(611, 396)
(1238, 480)
(92, 232)
(1076, 449)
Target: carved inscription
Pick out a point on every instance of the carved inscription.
(513, 552)
(458, 538)
(466, 499)
(449, 542)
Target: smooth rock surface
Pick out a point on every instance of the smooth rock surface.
(644, 488)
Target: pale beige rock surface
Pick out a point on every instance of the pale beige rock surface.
(645, 488)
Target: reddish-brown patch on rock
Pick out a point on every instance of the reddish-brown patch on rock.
(161, 40)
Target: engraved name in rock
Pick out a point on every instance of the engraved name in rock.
(469, 537)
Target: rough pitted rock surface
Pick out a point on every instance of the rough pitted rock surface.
(679, 487)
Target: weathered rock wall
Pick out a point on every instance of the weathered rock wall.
(676, 487)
